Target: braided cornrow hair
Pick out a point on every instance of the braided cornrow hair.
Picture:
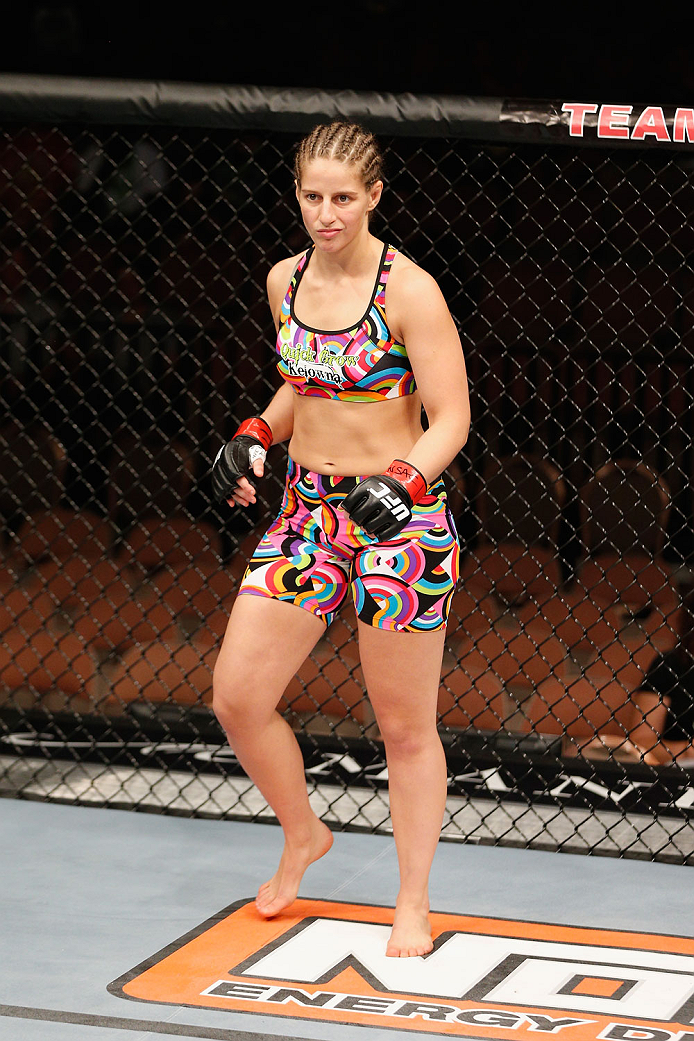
(348, 142)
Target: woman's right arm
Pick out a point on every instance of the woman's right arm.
(279, 414)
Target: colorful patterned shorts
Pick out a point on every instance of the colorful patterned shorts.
(313, 552)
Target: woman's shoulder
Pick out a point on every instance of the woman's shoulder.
(408, 281)
(278, 279)
(280, 274)
(405, 268)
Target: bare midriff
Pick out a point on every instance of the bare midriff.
(353, 438)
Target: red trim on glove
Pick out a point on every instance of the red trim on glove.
(410, 477)
(258, 429)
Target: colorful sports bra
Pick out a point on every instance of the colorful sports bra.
(362, 363)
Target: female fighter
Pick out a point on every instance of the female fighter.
(364, 339)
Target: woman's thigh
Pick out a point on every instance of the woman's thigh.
(402, 672)
(265, 643)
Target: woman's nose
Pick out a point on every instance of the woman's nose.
(326, 212)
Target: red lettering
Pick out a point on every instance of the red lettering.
(684, 124)
(578, 114)
(650, 122)
(613, 120)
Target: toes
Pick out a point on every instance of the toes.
(263, 902)
(264, 909)
(270, 909)
(393, 951)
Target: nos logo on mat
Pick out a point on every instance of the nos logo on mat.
(486, 977)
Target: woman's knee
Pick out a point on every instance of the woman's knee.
(233, 701)
(406, 737)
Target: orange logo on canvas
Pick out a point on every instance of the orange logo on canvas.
(486, 977)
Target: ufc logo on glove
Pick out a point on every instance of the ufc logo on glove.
(396, 506)
(395, 497)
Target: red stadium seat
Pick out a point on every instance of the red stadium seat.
(179, 673)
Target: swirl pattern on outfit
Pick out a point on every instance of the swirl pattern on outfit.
(313, 553)
(363, 363)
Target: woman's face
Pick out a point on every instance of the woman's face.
(334, 202)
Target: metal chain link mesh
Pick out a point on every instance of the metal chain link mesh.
(136, 337)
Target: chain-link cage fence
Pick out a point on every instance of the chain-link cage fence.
(135, 338)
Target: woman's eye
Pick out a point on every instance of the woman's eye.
(343, 198)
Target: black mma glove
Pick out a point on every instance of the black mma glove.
(382, 505)
(235, 459)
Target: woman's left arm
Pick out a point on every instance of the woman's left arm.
(433, 346)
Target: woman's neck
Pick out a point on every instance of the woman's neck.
(354, 260)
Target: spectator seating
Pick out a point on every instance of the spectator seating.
(76, 601)
(32, 463)
(38, 653)
(132, 607)
(623, 606)
(508, 605)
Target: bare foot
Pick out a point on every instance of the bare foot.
(411, 934)
(282, 888)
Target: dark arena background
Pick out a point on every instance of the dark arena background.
(139, 221)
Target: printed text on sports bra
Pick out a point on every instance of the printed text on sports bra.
(303, 362)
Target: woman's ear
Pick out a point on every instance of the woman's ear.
(375, 192)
